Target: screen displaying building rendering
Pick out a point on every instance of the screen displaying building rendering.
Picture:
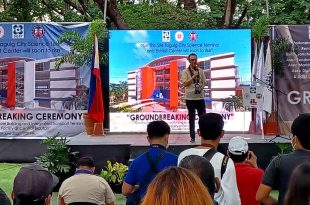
(145, 69)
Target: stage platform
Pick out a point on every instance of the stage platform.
(124, 147)
(175, 139)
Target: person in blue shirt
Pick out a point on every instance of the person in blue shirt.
(145, 167)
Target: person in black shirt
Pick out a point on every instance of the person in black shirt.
(279, 171)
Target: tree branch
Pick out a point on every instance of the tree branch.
(230, 8)
(57, 10)
(113, 13)
(5, 4)
(243, 14)
(83, 4)
(80, 9)
(189, 5)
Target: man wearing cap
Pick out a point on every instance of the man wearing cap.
(84, 186)
(33, 185)
(279, 171)
(249, 176)
(211, 131)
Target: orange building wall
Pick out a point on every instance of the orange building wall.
(148, 86)
(11, 92)
(174, 78)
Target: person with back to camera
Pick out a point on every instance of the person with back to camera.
(279, 171)
(211, 131)
(204, 170)
(298, 192)
(33, 185)
(249, 176)
(193, 79)
(145, 167)
(177, 186)
(84, 187)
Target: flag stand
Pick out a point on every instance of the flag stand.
(98, 129)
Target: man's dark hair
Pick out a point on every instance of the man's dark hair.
(192, 54)
(25, 202)
(238, 158)
(210, 125)
(203, 168)
(86, 161)
(28, 202)
(301, 128)
(157, 129)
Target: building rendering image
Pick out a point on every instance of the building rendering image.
(158, 82)
(28, 83)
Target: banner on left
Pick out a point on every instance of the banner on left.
(36, 99)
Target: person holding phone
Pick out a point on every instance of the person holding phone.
(249, 176)
(193, 80)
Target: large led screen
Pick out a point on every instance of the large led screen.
(145, 68)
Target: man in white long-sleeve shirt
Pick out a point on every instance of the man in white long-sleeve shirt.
(211, 131)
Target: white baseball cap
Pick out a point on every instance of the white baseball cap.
(238, 146)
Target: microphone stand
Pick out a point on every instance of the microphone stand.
(277, 106)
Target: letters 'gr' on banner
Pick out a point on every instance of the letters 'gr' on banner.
(293, 80)
(145, 67)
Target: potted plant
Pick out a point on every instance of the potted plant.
(58, 158)
(114, 174)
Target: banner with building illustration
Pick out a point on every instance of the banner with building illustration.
(36, 98)
(292, 79)
(144, 76)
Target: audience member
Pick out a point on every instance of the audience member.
(211, 131)
(84, 186)
(298, 192)
(4, 200)
(177, 186)
(204, 169)
(279, 171)
(249, 176)
(33, 185)
(145, 167)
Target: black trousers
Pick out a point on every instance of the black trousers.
(192, 106)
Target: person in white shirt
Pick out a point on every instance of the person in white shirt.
(211, 131)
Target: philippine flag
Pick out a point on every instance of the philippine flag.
(95, 101)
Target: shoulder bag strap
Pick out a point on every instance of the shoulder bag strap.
(209, 154)
(153, 166)
(224, 165)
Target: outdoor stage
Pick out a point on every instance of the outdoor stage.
(175, 139)
(124, 147)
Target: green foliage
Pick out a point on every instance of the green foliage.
(114, 173)
(81, 47)
(260, 28)
(7, 175)
(164, 16)
(281, 12)
(285, 148)
(280, 47)
(56, 159)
